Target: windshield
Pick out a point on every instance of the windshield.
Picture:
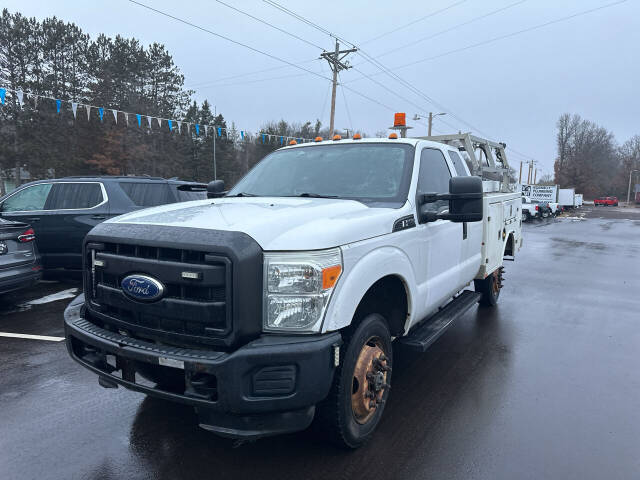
(365, 172)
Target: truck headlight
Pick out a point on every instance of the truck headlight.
(297, 288)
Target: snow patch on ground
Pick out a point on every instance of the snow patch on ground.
(54, 297)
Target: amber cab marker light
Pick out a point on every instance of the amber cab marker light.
(330, 276)
(318, 139)
(393, 136)
(337, 137)
(293, 142)
(357, 136)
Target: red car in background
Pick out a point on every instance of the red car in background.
(606, 201)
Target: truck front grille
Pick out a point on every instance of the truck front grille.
(190, 311)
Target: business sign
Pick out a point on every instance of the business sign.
(545, 193)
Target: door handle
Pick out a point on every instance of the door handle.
(99, 217)
(34, 219)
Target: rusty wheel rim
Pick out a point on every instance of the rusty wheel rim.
(497, 281)
(369, 380)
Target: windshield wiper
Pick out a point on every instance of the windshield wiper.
(243, 194)
(316, 195)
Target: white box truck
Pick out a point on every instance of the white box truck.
(566, 197)
(578, 200)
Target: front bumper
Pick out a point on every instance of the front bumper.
(268, 386)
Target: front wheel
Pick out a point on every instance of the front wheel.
(490, 288)
(361, 384)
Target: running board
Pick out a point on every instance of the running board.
(424, 334)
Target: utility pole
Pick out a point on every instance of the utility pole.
(629, 189)
(535, 175)
(336, 64)
(417, 117)
(520, 177)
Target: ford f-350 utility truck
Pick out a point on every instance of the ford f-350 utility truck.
(283, 299)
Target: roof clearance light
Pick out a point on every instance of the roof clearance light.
(357, 136)
(393, 136)
(337, 137)
(400, 119)
(318, 139)
(293, 142)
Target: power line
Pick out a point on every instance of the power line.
(211, 32)
(245, 74)
(300, 17)
(401, 27)
(512, 34)
(346, 106)
(376, 63)
(253, 49)
(447, 30)
(269, 24)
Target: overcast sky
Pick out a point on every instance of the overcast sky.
(512, 89)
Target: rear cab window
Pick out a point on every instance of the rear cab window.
(458, 163)
(148, 194)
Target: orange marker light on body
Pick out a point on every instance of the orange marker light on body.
(337, 137)
(293, 142)
(393, 136)
(318, 139)
(357, 136)
(330, 276)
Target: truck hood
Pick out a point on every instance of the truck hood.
(276, 223)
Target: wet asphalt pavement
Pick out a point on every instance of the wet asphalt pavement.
(546, 385)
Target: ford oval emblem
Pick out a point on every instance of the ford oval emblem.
(142, 288)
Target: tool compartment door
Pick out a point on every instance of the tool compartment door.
(494, 242)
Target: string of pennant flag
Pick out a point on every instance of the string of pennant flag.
(144, 119)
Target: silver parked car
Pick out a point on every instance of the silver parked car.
(19, 261)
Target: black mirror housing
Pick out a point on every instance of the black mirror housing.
(215, 189)
(465, 202)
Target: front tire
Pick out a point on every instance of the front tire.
(490, 288)
(361, 383)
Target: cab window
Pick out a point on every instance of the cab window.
(28, 199)
(458, 163)
(434, 177)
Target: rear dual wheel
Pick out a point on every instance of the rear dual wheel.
(361, 385)
(490, 288)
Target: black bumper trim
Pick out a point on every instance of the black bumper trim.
(240, 376)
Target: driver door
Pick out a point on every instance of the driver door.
(441, 241)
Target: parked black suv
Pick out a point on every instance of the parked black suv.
(62, 211)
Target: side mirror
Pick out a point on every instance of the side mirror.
(465, 202)
(215, 189)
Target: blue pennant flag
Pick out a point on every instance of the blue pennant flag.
(281, 140)
(170, 122)
(3, 93)
(101, 113)
(263, 138)
(58, 105)
(139, 117)
(197, 129)
(219, 131)
(242, 134)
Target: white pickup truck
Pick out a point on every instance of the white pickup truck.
(283, 299)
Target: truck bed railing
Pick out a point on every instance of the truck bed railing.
(488, 158)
